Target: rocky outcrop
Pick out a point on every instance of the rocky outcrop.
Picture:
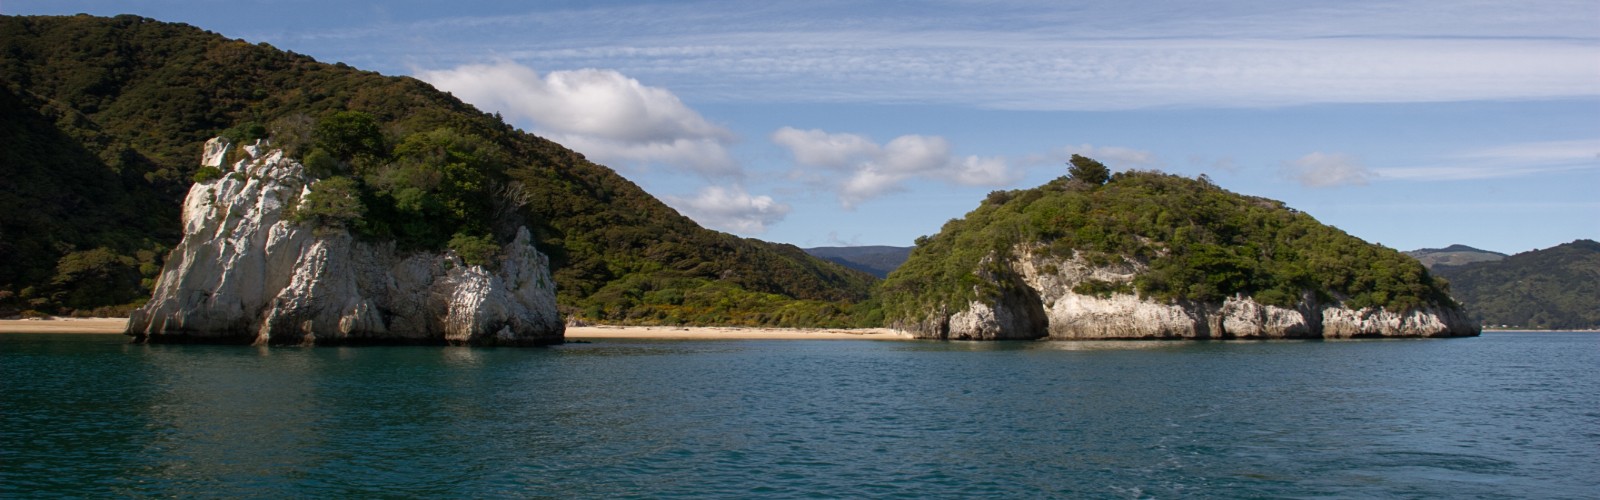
(245, 274)
(1036, 300)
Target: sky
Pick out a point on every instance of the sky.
(1410, 124)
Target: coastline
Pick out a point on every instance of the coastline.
(730, 333)
(65, 325)
(117, 325)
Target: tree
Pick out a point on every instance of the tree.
(333, 203)
(349, 135)
(1089, 171)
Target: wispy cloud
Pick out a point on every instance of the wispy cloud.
(1115, 157)
(1510, 160)
(601, 113)
(1322, 170)
(1080, 57)
(731, 209)
(859, 169)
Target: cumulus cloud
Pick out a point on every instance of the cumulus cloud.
(1328, 170)
(821, 149)
(870, 170)
(731, 209)
(601, 113)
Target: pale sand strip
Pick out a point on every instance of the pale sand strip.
(64, 325)
(729, 333)
(116, 325)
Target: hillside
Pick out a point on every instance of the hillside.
(1453, 255)
(105, 117)
(875, 260)
(1178, 247)
(1553, 288)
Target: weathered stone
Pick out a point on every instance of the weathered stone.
(245, 274)
(1035, 281)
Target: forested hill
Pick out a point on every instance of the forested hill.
(1197, 243)
(875, 260)
(1453, 255)
(104, 119)
(1554, 288)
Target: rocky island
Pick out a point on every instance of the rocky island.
(246, 272)
(1143, 255)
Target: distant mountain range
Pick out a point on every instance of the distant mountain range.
(1555, 288)
(875, 260)
(1454, 255)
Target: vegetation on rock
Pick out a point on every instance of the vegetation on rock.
(1198, 242)
(104, 117)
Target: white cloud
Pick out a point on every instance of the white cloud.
(1328, 170)
(1510, 160)
(731, 209)
(821, 149)
(601, 113)
(871, 170)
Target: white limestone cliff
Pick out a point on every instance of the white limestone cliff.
(1037, 301)
(245, 274)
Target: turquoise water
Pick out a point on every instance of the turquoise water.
(1502, 415)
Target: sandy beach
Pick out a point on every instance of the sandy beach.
(116, 325)
(64, 325)
(729, 333)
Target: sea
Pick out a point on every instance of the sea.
(1504, 415)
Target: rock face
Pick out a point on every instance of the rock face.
(1036, 300)
(244, 274)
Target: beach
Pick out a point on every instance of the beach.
(116, 325)
(64, 325)
(730, 333)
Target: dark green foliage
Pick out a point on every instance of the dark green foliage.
(474, 250)
(1088, 171)
(1200, 243)
(206, 174)
(1553, 288)
(104, 119)
(334, 203)
(350, 136)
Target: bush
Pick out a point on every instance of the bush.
(474, 250)
(333, 203)
(207, 173)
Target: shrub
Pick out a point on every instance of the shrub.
(207, 173)
(474, 250)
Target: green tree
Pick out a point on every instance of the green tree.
(333, 203)
(1088, 170)
(350, 136)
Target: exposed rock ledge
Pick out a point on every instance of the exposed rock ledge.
(243, 274)
(1035, 304)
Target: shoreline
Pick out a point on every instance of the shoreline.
(67, 326)
(106, 326)
(730, 333)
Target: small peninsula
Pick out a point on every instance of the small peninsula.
(1144, 255)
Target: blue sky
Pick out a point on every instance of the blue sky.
(1410, 124)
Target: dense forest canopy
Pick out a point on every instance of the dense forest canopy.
(1199, 242)
(1554, 288)
(105, 118)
